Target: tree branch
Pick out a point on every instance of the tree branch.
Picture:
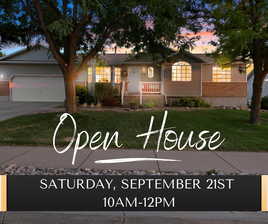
(49, 38)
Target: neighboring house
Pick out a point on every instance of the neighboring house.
(250, 86)
(33, 75)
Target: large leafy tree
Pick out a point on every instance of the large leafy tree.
(242, 29)
(77, 30)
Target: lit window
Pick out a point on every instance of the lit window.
(220, 74)
(117, 75)
(181, 71)
(103, 74)
(150, 72)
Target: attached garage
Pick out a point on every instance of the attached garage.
(34, 88)
(33, 75)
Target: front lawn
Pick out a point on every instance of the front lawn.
(38, 129)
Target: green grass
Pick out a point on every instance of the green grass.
(240, 135)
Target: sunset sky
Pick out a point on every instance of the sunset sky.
(202, 45)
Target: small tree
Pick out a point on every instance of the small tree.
(242, 29)
(77, 30)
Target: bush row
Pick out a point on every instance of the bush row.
(105, 93)
(189, 102)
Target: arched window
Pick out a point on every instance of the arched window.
(181, 71)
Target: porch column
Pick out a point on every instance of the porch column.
(163, 83)
(93, 81)
(112, 76)
(162, 79)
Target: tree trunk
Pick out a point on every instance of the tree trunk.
(256, 98)
(70, 94)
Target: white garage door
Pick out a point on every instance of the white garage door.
(38, 89)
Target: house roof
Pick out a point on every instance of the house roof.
(41, 55)
(34, 55)
(121, 59)
(205, 58)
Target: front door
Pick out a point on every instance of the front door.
(134, 74)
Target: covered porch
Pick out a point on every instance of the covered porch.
(131, 81)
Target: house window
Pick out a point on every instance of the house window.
(150, 72)
(103, 74)
(117, 75)
(220, 74)
(181, 71)
(89, 73)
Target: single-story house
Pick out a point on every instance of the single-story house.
(250, 86)
(34, 75)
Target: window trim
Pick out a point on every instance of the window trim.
(117, 77)
(183, 71)
(97, 79)
(224, 74)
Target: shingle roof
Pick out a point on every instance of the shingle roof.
(119, 59)
(205, 58)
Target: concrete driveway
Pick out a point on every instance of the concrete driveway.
(10, 109)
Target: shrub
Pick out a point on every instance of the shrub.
(104, 91)
(150, 104)
(91, 100)
(82, 94)
(264, 103)
(111, 101)
(189, 102)
(133, 105)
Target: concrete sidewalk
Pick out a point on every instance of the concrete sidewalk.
(195, 161)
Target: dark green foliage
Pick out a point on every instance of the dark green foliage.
(242, 31)
(82, 28)
(82, 94)
(111, 101)
(91, 100)
(189, 102)
(107, 94)
(264, 103)
(77, 31)
(133, 105)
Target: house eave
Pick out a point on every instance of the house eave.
(30, 62)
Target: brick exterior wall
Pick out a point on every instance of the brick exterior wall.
(227, 89)
(4, 88)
